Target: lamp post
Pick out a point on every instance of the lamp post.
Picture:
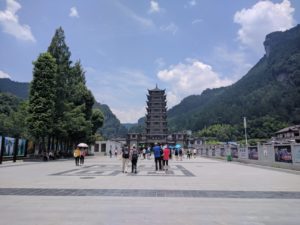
(245, 127)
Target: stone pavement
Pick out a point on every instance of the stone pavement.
(196, 191)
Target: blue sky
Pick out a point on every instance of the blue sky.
(129, 46)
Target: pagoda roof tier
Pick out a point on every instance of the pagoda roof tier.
(156, 89)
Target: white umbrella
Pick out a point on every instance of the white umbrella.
(82, 145)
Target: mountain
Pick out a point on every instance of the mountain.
(18, 89)
(111, 128)
(270, 91)
(129, 125)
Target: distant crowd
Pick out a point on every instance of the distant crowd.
(160, 153)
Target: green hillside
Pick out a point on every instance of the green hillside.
(268, 93)
(9, 89)
(16, 88)
(112, 127)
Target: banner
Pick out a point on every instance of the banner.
(296, 156)
(222, 152)
(234, 153)
(253, 152)
(0, 144)
(213, 152)
(283, 153)
(243, 153)
(8, 146)
(21, 147)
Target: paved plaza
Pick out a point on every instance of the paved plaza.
(196, 191)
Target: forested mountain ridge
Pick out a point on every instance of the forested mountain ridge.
(111, 127)
(19, 89)
(270, 91)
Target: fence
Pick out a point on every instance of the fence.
(277, 155)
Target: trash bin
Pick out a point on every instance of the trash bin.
(229, 158)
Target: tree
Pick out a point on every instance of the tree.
(42, 98)
(97, 120)
(60, 51)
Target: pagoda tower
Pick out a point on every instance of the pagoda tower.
(156, 117)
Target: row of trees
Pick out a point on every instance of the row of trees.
(258, 129)
(60, 106)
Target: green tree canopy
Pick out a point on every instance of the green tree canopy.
(42, 96)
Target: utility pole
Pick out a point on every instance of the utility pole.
(245, 126)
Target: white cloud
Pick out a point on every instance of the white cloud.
(191, 77)
(154, 7)
(144, 22)
(236, 62)
(74, 12)
(192, 3)
(172, 28)
(123, 90)
(130, 115)
(4, 75)
(196, 21)
(262, 18)
(160, 62)
(10, 22)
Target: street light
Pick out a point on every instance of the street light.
(245, 127)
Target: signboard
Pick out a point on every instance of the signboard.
(21, 147)
(253, 152)
(296, 156)
(283, 153)
(243, 153)
(213, 152)
(8, 147)
(0, 144)
(222, 153)
(234, 153)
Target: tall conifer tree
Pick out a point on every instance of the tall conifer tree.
(42, 98)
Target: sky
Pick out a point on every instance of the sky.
(129, 46)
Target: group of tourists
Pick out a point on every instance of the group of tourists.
(79, 156)
(161, 157)
(161, 153)
(129, 155)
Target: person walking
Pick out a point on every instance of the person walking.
(76, 155)
(166, 158)
(157, 156)
(144, 153)
(82, 155)
(180, 154)
(134, 155)
(189, 153)
(125, 159)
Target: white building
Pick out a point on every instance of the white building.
(103, 147)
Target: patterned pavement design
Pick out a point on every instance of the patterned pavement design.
(115, 170)
(150, 193)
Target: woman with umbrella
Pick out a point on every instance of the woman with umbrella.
(83, 146)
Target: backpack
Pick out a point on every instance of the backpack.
(134, 155)
(126, 153)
